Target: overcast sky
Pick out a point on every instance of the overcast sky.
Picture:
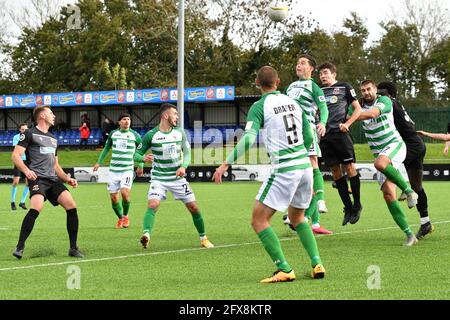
(329, 13)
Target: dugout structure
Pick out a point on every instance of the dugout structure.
(217, 113)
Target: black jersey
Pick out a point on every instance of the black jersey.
(338, 96)
(41, 152)
(404, 124)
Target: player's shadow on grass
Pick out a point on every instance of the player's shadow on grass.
(42, 253)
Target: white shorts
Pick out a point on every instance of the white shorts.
(180, 189)
(120, 180)
(293, 188)
(314, 150)
(397, 153)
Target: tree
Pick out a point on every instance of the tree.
(396, 57)
(440, 67)
(34, 13)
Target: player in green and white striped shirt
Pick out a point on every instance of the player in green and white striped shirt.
(389, 150)
(171, 155)
(310, 97)
(123, 143)
(287, 138)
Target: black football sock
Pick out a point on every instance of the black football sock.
(356, 190)
(72, 227)
(342, 187)
(27, 227)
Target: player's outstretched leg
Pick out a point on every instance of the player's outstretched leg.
(24, 198)
(199, 224)
(272, 245)
(25, 231)
(307, 240)
(309, 243)
(72, 230)
(395, 176)
(126, 208)
(319, 190)
(397, 213)
(149, 221)
(118, 210)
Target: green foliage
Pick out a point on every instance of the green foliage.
(125, 44)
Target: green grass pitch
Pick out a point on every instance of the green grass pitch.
(174, 267)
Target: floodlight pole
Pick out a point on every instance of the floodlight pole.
(180, 103)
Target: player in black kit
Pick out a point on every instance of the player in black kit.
(337, 144)
(45, 177)
(416, 150)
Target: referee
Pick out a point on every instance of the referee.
(337, 144)
(416, 150)
(45, 177)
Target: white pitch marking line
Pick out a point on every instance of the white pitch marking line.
(191, 249)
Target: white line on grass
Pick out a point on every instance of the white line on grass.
(190, 249)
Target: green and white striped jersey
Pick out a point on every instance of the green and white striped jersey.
(285, 129)
(381, 131)
(170, 150)
(310, 97)
(123, 144)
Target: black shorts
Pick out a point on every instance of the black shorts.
(48, 188)
(18, 173)
(414, 156)
(337, 148)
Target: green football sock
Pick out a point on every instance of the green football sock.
(318, 184)
(399, 217)
(315, 218)
(117, 207)
(126, 207)
(199, 223)
(309, 242)
(395, 176)
(272, 245)
(149, 220)
(312, 207)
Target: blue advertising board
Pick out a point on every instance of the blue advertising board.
(129, 97)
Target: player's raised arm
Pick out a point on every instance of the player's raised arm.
(307, 132)
(254, 122)
(356, 112)
(104, 153)
(64, 177)
(146, 143)
(383, 105)
(186, 150)
(435, 136)
(319, 99)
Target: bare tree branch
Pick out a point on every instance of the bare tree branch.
(432, 21)
(35, 13)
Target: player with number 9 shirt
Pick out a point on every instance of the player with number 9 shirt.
(287, 139)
